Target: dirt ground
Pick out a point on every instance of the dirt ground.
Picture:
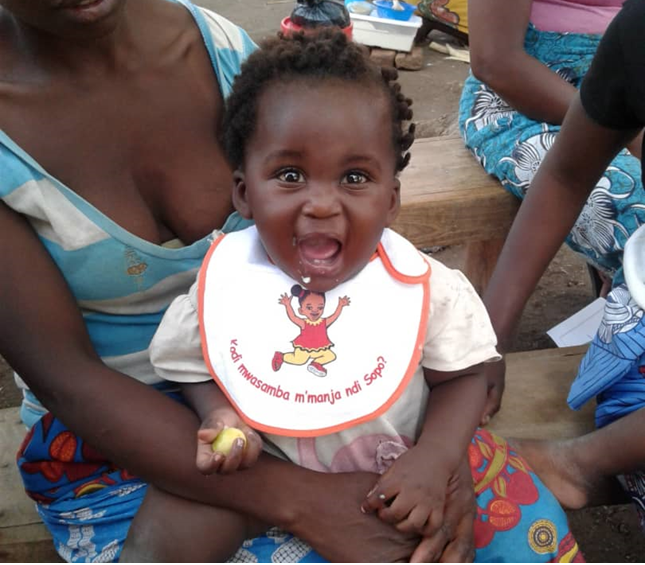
(605, 534)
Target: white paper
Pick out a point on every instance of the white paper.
(580, 328)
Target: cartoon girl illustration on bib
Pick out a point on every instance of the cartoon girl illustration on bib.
(313, 343)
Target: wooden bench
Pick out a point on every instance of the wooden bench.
(534, 406)
(447, 199)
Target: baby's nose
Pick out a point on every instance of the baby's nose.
(322, 200)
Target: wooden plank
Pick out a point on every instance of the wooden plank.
(23, 537)
(16, 508)
(447, 198)
(481, 258)
(30, 544)
(535, 400)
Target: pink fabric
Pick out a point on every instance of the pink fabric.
(578, 16)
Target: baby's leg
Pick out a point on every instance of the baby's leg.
(168, 528)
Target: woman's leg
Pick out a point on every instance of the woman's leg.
(89, 506)
(168, 528)
(84, 501)
(511, 147)
(582, 470)
(518, 519)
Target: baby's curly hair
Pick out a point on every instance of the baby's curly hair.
(327, 54)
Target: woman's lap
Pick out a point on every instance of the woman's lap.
(88, 504)
(511, 147)
(518, 519)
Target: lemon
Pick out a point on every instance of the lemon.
(224, 441)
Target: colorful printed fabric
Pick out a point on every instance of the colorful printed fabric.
(612, 371)
(453, 13)
(511, 147)
(613, 367)
(88, 504)
(518, 519)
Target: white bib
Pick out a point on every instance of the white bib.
(301, 377)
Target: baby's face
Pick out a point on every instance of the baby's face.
(319, 178)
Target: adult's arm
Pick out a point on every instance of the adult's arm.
(497, 29)
(580, 155)
(43, 337)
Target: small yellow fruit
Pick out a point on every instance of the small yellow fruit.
(226, 438)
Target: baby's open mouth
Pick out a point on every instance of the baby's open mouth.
(319, 250)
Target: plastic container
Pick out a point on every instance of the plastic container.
(287, 27)
(360, 7)
(384, 9)
(385, 33)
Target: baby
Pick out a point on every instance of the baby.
(316, 135)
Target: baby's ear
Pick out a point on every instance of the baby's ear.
(240, 200)
(395, 202)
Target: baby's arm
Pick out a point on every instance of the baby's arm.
(176, 354)
(224, 442)
(412, 493)
(459, 339)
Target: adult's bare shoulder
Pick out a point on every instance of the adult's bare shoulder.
(169, 27)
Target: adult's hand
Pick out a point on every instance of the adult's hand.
(495, 376)
(454, 542)
(331, 521)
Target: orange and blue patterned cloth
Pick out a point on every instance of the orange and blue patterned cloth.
(88, 504)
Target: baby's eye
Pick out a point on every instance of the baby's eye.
(290, 175)
(354, 177)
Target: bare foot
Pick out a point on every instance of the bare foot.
(573, 486)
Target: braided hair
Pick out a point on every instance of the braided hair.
(324, 55)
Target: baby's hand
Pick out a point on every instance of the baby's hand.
(285, 299)
(344, 301)
(411, 494)
(225, 443)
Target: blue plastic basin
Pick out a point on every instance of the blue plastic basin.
(384, 10)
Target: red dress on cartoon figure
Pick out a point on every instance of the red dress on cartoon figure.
(313, 336)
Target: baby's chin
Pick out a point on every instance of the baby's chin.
(321, 282)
